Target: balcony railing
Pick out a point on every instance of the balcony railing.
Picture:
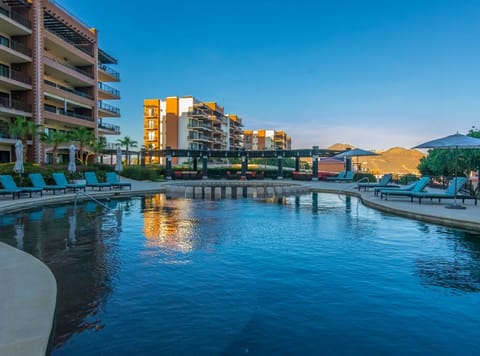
(16, 46)
(15, 75)
(79, 70)
(109, 71)
(68, 90)
(15, 104)
(20, 47)
(192, 137)
(108, 89)
(59, 111)
(16, 17)
(198, 125)
(110, 127)
(108, 107)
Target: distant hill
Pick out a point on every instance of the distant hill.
(394, 160)
(340, 147)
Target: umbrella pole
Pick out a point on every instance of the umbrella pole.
(455, 205)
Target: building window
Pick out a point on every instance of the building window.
(151, 124)
(151, 136)
(4, 70)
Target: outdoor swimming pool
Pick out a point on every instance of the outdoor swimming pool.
(314, 274)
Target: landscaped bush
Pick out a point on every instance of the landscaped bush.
(359, 176)
(407, 178)
(153, 173)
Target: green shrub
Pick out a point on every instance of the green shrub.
(153, 173)
(360, 176)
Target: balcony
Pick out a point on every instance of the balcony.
(199, 126)
(14, 80)
(68, 35)
(106, 92)
(68, 116)
(107, 110)
(111, 129)
(61, 90)
(68, 73)
(107, 74)
(14, 52)
(198, 138)
(13, 23)
(15, 107)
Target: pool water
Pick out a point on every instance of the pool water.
(316, 274)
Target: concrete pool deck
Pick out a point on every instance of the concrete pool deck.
(28, 288)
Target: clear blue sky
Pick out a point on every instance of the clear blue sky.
(375, 74)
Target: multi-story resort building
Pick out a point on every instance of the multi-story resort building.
(257, 140)
(53, 73)
(188, 123)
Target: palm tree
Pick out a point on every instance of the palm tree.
(98, 146)
(55, 139)
(84, 137)
(24, 129)
(128, 143)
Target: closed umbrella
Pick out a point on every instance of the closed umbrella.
(71, 159)
(455, 141)
(18, 167)
(118, 165)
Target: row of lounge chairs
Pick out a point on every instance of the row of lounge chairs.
(61, 184)
(416, 190)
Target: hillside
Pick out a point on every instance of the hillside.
(394, 160)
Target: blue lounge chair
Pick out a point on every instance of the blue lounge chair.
(38, 182)
(9, 184)
(60, 179)
(450, 193)
(93, 182)
(408, 187)
(15, 192)
(339, 175)
(384, 182)
(114, 180)
(408, 191)
(348, 177)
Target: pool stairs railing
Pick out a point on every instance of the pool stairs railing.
(89, 197)
(353, 185)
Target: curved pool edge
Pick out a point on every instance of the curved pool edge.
(28, 295)
(435, 213)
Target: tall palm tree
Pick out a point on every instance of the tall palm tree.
(24, 129)
(85, 138)
(128, 143)
(55, 139)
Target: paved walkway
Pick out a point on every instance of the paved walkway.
(28, 288)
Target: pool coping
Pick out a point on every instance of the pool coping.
(28, 296)
(29, 303)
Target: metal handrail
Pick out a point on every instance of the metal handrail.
(354, 184)
(90, 197)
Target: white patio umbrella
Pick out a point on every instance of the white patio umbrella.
(18, 167)
(118, 165)
(455, 141)
(71, 159)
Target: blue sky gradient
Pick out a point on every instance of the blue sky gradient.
(375, 74)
